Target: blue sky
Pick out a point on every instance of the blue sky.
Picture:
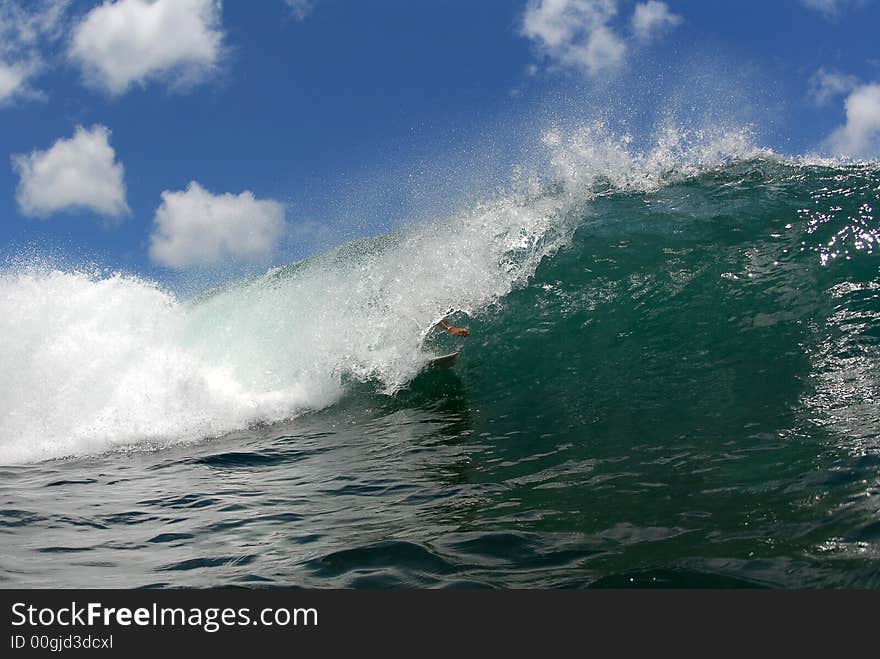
(175, 137)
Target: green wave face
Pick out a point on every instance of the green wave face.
(700, 362)
(723, 304)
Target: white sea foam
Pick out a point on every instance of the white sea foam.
(95, 363)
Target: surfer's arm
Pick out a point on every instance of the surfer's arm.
(452, 329)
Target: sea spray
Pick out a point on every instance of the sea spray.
(95, 363)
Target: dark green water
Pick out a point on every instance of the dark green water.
(684, 395)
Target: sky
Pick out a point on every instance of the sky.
(175, 138)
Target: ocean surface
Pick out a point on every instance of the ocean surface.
(671, 380)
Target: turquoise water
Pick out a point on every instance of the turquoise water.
(670, 384)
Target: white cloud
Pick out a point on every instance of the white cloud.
(24, 28)
(576, 33)
(195, 227)
(128, 42)
(826, 85)
(76, 173)
(579, 33)
(301, 8)
(12, 80)
(651, 18)
(859, 137)
(604, 51)
(26, 22)
(829, 7)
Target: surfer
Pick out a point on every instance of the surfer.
(445, 361)
(452, 329)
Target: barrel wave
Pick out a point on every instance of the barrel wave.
(102, 362)
(671, 379)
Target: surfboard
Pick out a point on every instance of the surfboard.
(444, 361)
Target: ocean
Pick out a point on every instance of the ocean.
(671, 380)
